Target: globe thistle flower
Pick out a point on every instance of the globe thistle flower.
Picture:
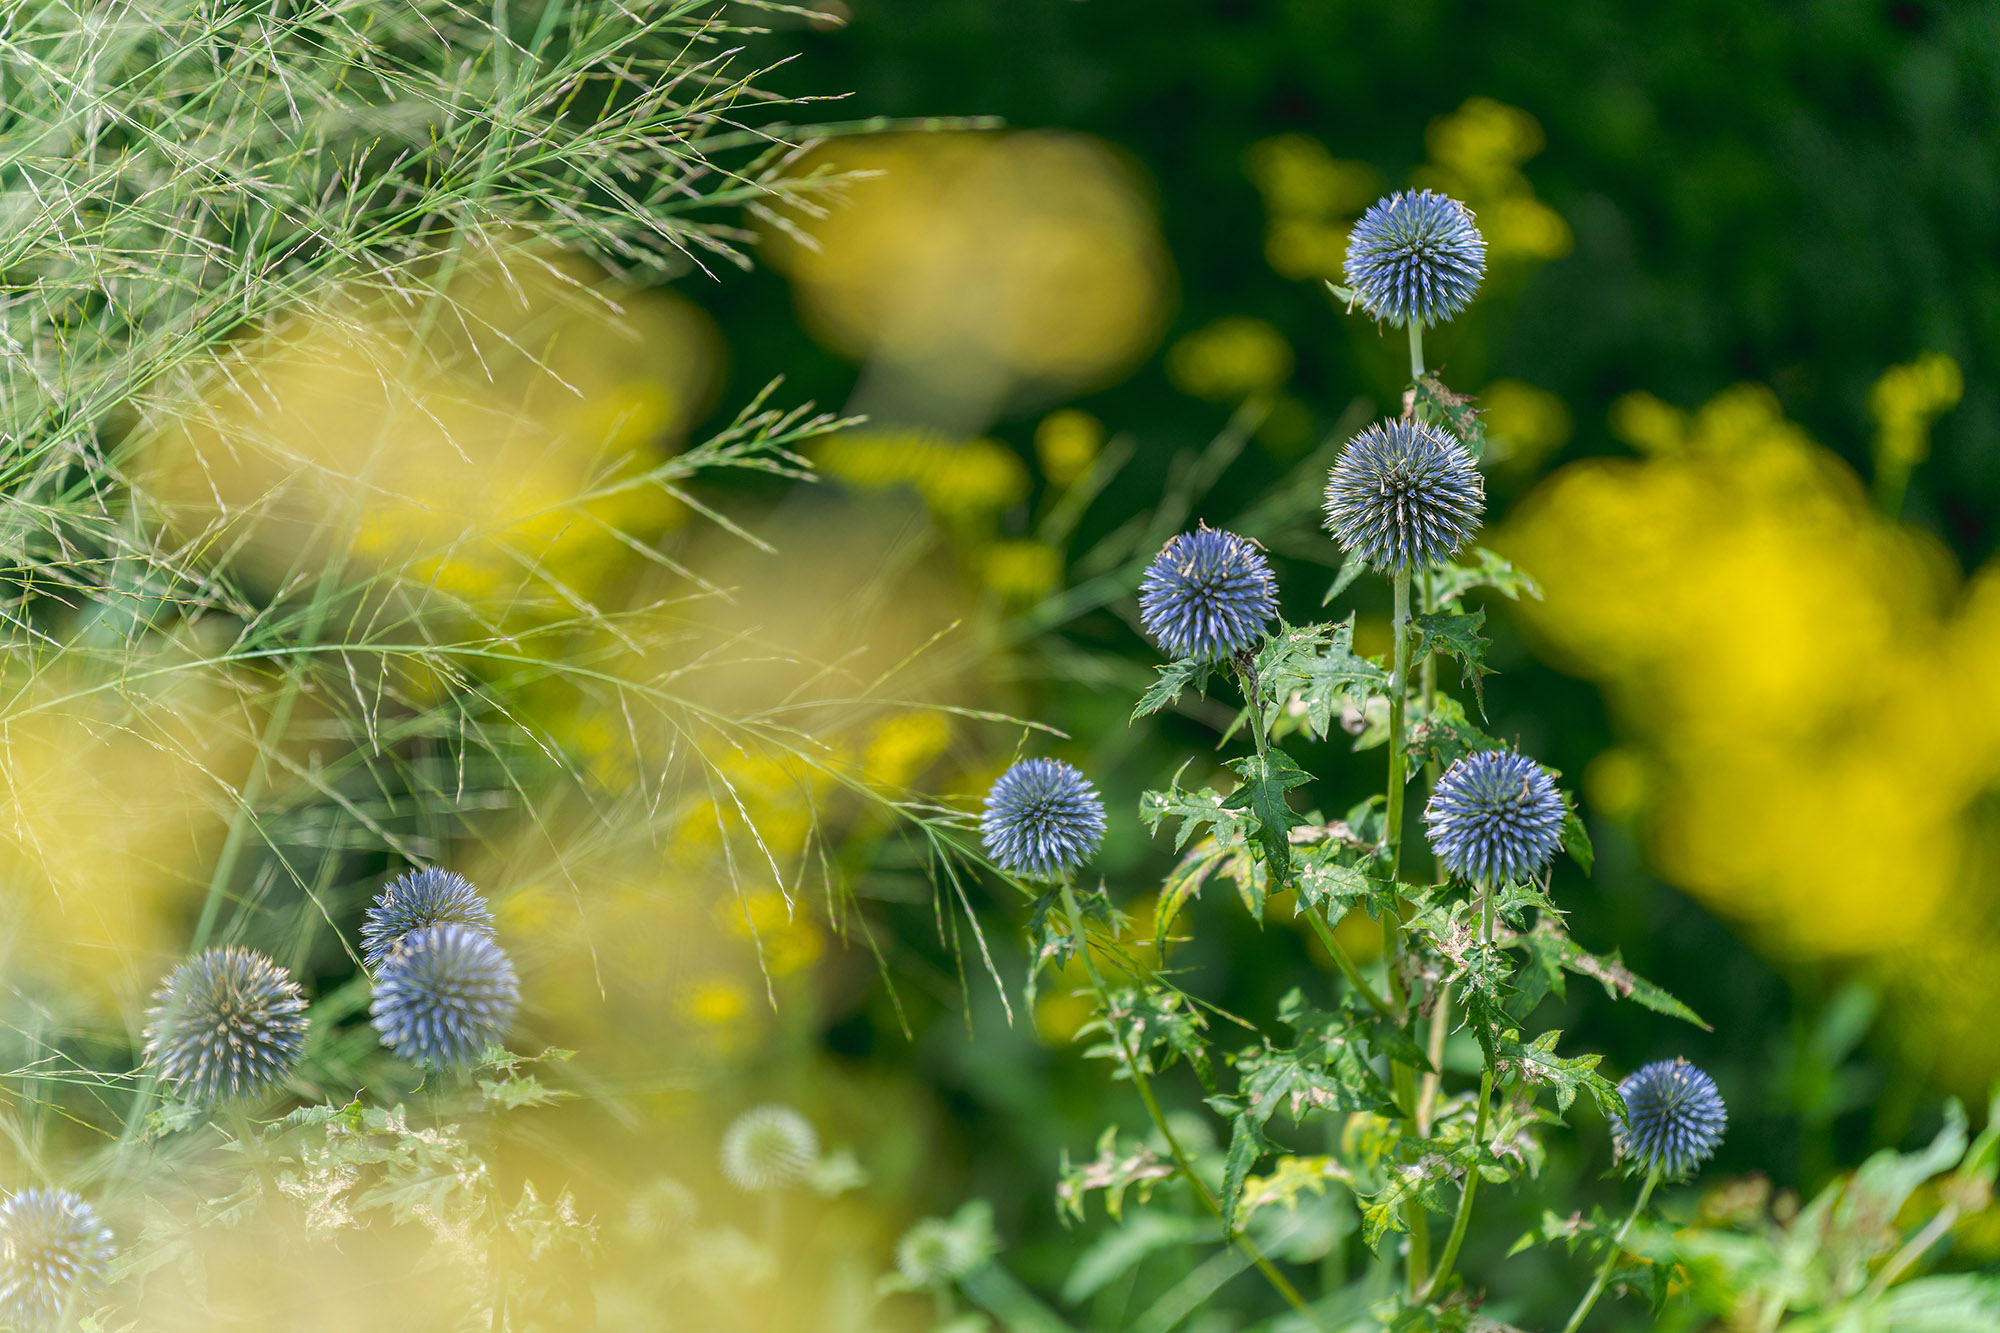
(1495, 817)
(1043, 819)
(227, 1023)
(418, 899)
(445, 995)
(1674, 1118)
(1415, 257)
(768, 1148)
(1207, 595)
(53, 1257)
(1403, 496)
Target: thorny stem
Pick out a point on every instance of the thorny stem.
(1471, 1188)
(1279, 1282)
(1611, 1259)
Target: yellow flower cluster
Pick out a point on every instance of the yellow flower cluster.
(1230, 359)
(1031, 257)
(1476, 154)
(1311, 198)
(1906, 400)
(1806, 691)
(958, 479)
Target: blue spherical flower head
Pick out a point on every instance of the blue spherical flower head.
(227, 1023)
(1043, 819)
(445, 995)
(1495, 817)
(1403, 496)
(1207, 595)
(1674, 1118)
(1415, 258)
(53, 1257)
(418, 899)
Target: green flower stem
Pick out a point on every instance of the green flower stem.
(1345, 962)
(1403, 1079)
(1279, 1282)
(1433, 1079)
(1471, 1189)
(1617, 1245)
(1416, 351)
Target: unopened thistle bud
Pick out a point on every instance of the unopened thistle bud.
(1207, 595)
(1403, 496)
(1674, 1118)
(1043, 819)
(1415, 257)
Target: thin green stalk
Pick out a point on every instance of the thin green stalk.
(1416, 351)
(1279, 1282)
(1345, 962)
(1403, 1081)
(1611, 1259)
(1463, 1218)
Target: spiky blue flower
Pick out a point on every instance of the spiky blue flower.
(445, 995)
(417, 899)
(53, 1257)
(227, 1023)
(1403, 495)
(1674, 1118)
(1043, 819)
(1495, 817)
(1207, 594)
(768, 1148)
(1415, 257)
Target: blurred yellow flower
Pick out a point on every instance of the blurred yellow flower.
(1230, 359)
(1524, 424)
(1906, 400)
(1805, 694)
(903, 746)
(1031, 256)
(1023, 572)
(477, 457)
(958, 479)
(1067, 443)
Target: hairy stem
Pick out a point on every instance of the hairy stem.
(1279, 1282)
(1611, 1259)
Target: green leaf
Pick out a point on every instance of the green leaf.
(1488, 570)
(1121, 1249)
(1350, 570)
(1336, 678)
(1537, 1065)
(1266, 779)
(1456, 634)
(1555, 953)
(1174, 677)
(1246, 1145)
(1183, 884)
(1576, 838)
(1330, 883)
(1444, 735)
(1195, 810)
(1118, 1167)
(1455, 410)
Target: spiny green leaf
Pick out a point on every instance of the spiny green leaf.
(1536, 1065)
(1456, 633)
(1174, 677)
(1555, 953)
(1266, 779)
(1486, 570)
(1576, 838)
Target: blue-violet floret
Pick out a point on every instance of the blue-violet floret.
(1043, 819)
(1207, 595)
(1415, 257)
(227, 1023)
(1495, 817)
(1674, 1118)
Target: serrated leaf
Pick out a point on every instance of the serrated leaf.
(1329, 883)
(1266, 779)
(1174, 677)
(1487, 569)
(1203, 808)
(1118, 1167)
(1350, 570)
(1246, 1145)
(1537, 1065)
(1455, 410)
(1444, 735)
(1456, 634)
(1183, 885)
(1292, 1176)
(1576, 838)
(1555, 952)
